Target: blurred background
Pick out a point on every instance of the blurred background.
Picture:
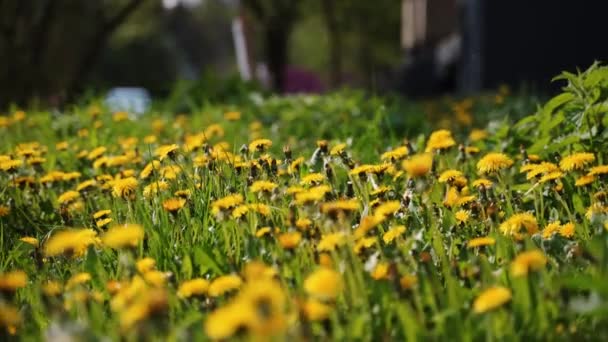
(53, 51)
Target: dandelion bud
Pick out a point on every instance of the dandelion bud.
(323, 146)
(287, 152)
(244, 149)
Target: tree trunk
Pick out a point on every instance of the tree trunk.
(276, 41)
(98, 43)
(335, 42)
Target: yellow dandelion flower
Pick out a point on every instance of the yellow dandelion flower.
(396, 154)
(408, 281)
(86, 185)
(174, 204)
(312, 178)
(418, 165)
(330, 241)
(393, 234)
(102, 214)
(165, 151)
(78, 279)
(260, 208)
(12, 281)
(361, 170)
(303, 223)
(239, 211)
(514, 225)
(290, 240)
(36, 161)
(449, 176)
(96, 153)
(5, 121)
(550, 229)
(149, 168)
(584, 180)
(154, 188)
(257, 270)
(124, 187)
(263, 232)
(596, 210)
(68, 197)
(149, 302)
(478, 134)
(73, 242)
(232, 115)
(486, 183)
(576, 161)
(193, 287)
(491, 299)
(481, 241)
(464, 200)
(120, 116)
(150, 139)
(551, 176)
(493, 162)
(103, 222)
(381, 190)
(337, 150)
(156, 278)
(51, 288)
(260, 145)
(598, 170)
(311, 195)
(368, 223)
(4, 210)
(70, 176)
(224, 322)
(324, 284)
(535, 170)
(567, 230)
(295, 165)
(340, 207)
(10, 165)
(387, 208)
(381, 271)
(262, 186)
(471, 150)
(315, 310)
(462, 216)
(226, 203)
(224, 284)
(364, 244)
(528, 261)
(122, 236)
(10, 318)
(440, 140)
(30, 241)
(451, 197)
(145, 265)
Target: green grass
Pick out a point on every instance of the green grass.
(562, 297)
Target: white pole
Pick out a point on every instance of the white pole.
(240, 48)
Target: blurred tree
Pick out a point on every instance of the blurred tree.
(352, 42)
(276, 19)
(334, 32)
(49, 47)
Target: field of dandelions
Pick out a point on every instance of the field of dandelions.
(335, 217)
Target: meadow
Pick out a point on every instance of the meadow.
(335, 217)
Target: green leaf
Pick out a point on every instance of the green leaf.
(205, 262)
(539, 145)
(557, 102)
(578, 204)
(525, 121)
(186, 267)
